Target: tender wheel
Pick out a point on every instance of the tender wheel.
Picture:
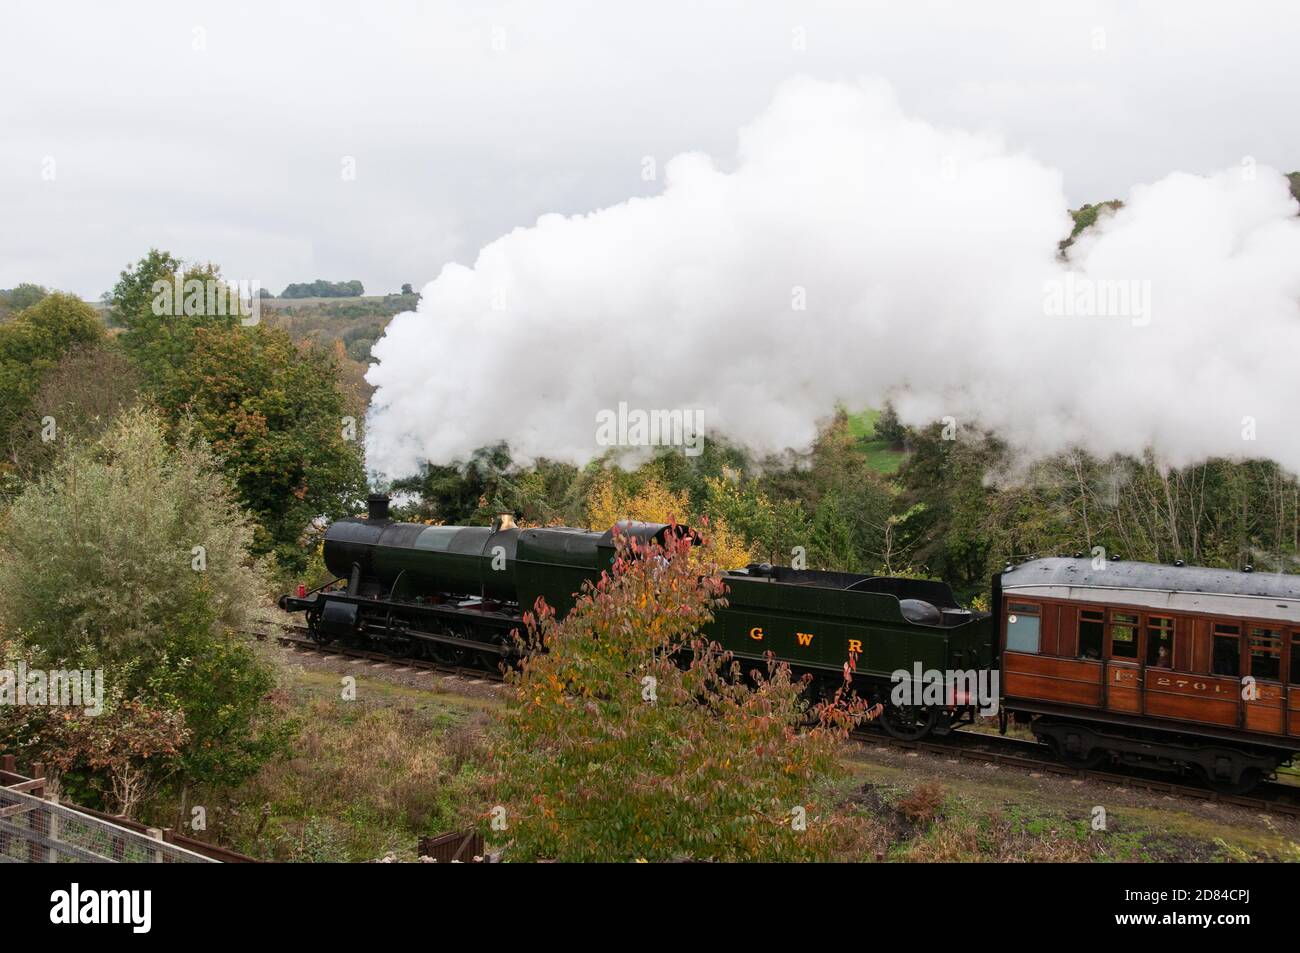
(909, 722)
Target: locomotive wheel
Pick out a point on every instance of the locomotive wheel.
(314, 630)
(447, 654)
(400, 648)
(908, 722)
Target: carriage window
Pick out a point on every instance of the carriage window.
(1022, 627)
(1160, 642)
(1266, 654)
(1227, 650)
(1123, 635)
(1295, 658)
(1092, 627)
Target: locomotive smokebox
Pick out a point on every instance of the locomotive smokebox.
(378, 506)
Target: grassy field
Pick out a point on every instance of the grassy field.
(369, 777)
(946, 810)
(881, 457)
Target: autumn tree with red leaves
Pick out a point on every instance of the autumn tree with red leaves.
(633, 736)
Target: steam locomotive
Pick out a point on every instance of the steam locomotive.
(1128, 661)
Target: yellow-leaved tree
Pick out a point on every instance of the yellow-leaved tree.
(653, 502)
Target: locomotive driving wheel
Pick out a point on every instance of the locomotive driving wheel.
(445, 654)
(909, 722)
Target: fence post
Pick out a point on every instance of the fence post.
(155, 833)
(56, 828)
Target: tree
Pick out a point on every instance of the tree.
(110, 756)
(31, 345)
(23, 296)
(771, 528)
(612, 751)
(273, 412)
(131, 555)
(652, 502)
(99, 553)
(132, 295)
(80, 397)
(889, 428)
(407, 289)
(1087, 216)
(160, 324)
(320, 288)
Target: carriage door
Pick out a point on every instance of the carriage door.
(1123, 671)
(1265, 698)
(1293, 685)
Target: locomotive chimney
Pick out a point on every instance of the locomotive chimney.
(378, 506)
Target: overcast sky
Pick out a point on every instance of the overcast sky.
(226, 132)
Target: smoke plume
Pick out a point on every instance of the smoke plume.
(850, 254)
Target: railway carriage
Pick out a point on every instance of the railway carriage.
(1172, 667)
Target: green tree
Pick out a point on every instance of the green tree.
(132, 296)
(274, 413)
(99, 553)
(320, 288)
(31, 345)
(1085, 217)
(890, 429)
(160, 323)
(131, 555)
(23, 296)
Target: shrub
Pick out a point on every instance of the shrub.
(612, 751)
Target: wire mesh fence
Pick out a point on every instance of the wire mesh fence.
(36, 830)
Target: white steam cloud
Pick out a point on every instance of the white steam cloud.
(925, 261)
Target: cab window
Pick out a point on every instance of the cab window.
(1022, 627)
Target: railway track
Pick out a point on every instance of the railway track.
(1271, 796)
(300, 641)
